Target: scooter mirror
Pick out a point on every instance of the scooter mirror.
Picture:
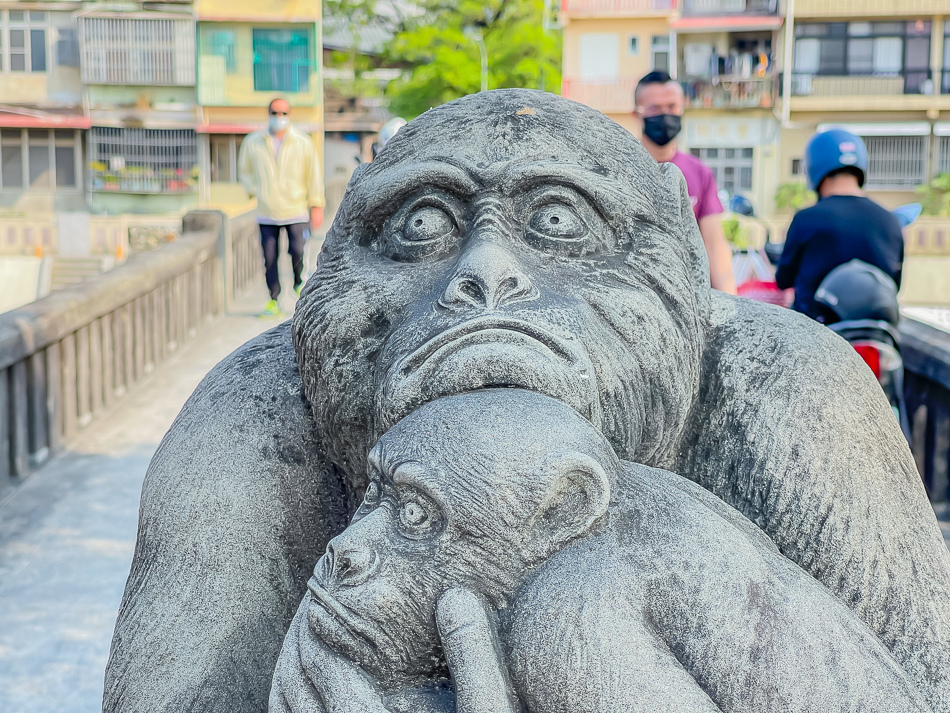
(907, 214)
(740, 205)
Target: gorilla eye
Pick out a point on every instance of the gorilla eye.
(557, 222)
(428, 223)
(424, 229)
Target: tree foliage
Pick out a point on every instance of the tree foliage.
(433, 41)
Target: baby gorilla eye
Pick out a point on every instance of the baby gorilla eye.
(371, 496)
(413, 514)
(428, 223)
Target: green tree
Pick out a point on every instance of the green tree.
(433, 40)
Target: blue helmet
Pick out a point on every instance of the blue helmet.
(833, 150)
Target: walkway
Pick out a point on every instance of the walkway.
(67, 535)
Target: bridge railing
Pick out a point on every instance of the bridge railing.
(69, 356)
(926, 352)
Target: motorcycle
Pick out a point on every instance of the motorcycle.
(858, 302)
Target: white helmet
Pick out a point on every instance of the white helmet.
(389, 129)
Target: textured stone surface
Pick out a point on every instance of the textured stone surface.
(614, 586)
(515, 239)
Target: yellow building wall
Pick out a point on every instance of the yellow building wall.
(259, 10)
(629, 65)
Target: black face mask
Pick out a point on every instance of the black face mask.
(663, 128)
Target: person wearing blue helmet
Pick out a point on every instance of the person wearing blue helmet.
(843, 225)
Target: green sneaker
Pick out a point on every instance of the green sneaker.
(272, 309)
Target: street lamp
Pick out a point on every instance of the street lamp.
(477, 38)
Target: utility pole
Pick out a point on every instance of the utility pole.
(476, 37)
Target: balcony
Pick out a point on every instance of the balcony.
(730, 93)
(867, 85)
(692, 8)
(616, 8)
(610, 95)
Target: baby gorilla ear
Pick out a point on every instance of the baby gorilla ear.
(576, 498)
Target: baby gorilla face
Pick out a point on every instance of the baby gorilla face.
(375, 590)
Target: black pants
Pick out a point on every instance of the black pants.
(295, 240)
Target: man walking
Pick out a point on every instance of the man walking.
(279, 166)
(659, 107)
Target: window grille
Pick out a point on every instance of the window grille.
(896, 161)
(38, 158)
(118, 50)
(943, 154)
(281, 60)
(143, 160)
(732, 167)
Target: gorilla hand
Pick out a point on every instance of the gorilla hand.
(473, 654)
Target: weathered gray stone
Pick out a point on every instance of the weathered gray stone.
(515, 239)
(613, 586)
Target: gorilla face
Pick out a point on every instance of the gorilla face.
(509, 239)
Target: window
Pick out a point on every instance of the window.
(945, 84)
(67, 47)
(224, 153)
(23, 40)
(896, 161)
(796, 167)
(143, 160)
(118, 50)
(900, 50)
(222, 44)
(281, 60)
(633, 45)
(732, 167)
(599, 55)
(38, 158)
(660, 53)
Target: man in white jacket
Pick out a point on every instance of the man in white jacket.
(279, 166)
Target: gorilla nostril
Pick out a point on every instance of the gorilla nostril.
(471, 290)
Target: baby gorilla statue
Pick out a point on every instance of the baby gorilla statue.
(505, 560)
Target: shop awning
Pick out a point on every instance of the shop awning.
(30, 119)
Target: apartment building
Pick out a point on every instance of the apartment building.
(139, 107)
(761, 76)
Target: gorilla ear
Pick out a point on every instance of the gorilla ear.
(577, 497)
(682, 208)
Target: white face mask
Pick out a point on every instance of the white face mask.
(277, 124)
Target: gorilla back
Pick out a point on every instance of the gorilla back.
(514, 238)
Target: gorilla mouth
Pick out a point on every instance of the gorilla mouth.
(486, 353)
(331, 617)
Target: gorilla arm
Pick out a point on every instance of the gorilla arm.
(792, 430)
(236, 507)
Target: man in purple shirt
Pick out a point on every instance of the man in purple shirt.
(659, 106)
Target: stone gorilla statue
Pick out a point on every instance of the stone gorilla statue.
(619, 587)
(514, 238)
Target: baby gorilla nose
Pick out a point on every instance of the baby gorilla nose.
(350, 566)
